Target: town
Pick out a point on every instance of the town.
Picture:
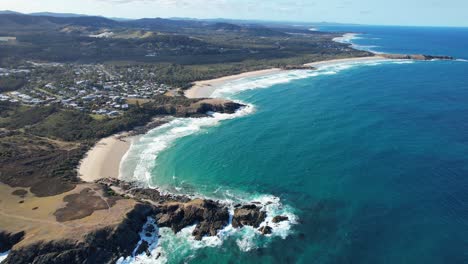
(102, 90)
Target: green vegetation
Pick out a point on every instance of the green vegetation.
(177, 52)
(71, 125)
(41, 146)
(11, 83)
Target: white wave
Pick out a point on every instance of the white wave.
(164, 242)
(461, 60)
(153, 242)
(347, 38)
(4, 255)
(141, 158)
(403, 62)
(250, 83)
(144, 152)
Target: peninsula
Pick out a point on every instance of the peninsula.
(73, 96)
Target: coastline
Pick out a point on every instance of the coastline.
(103, 160)
(205, 88)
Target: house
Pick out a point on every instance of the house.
(113, 113)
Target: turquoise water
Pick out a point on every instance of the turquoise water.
(370, 160)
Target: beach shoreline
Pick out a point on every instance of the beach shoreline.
(103, 160)
(205, 88)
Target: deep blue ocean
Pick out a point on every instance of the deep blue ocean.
(369, 160)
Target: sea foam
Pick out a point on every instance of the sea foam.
(163, 241)
(348, 39)
(4, 255)
(142, 159)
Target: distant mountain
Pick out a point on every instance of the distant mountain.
(20, 22)
(175, 25)
(56, 21)
(225, 26)
(9, 12)
(51, 14)
(165, 24)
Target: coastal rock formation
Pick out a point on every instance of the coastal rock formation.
(178, 211)
(265, 230)
(105, 245)
(210, 216)
(298, 67)
(217, 105)
(144, 247)
(250, 215)
(279, 218)
(415, 57)
(185, 107)
(8, 240)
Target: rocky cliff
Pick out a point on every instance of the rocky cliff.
(100, 246)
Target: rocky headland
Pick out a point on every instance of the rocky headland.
(46, 218)
(122, 209)
(415, 57)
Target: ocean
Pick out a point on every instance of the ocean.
(369, 160)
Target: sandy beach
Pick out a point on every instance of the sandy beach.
(204, 89)
(103, 160)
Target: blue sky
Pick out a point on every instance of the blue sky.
(377, 12)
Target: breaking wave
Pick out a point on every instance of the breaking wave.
(141, 159)
(163, 241)
(348, 39)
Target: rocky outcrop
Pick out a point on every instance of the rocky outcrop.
(217, 105)
(210, 217)
(144, 247)
(298, 67)
(8, 240)
(265, 230)
(250, 215)
(279, 218)
(178, 211)
(101, 246)
(415, 57)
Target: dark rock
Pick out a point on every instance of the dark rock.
(279, 218)
(210, 216)
(147, 193)
(265, 230)
(144, 247)
(8, 240)
(225, 107)
(297, 67)
(250, 215)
